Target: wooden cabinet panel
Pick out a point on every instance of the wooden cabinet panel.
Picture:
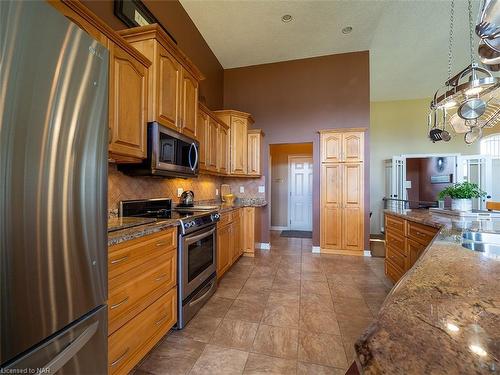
(203, 138)
(353, 146)
(239, 146)
(254, 152)
(213, 141)
(223, 149)
(331, 227)
(132, 292)
(353, 230)
(237, 246)
(353, 185)
(392, 271)
(395, 223)
(127, 104)
(331, 185)
(413, 252)
(396, 257)
(189, 104)
(129, 344)
(395, 240)
(249, 230)
(168, 90)
(331, 148)
(224, 249)
(420, 233)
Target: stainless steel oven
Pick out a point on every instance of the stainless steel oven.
(169, 154)
(197, 279)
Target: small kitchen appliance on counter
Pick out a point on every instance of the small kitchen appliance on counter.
(196, 256)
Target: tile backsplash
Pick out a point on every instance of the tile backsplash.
(123, 187)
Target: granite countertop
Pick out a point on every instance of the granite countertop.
(121, 229)
(443, 316)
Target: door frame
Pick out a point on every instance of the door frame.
(289, 190)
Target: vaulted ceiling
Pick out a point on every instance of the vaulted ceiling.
(407, 40)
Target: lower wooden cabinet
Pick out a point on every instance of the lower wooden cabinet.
(142, 278)
(405, 241)
(248, 230)
(224, 249)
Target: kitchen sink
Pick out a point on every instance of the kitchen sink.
(486, 243)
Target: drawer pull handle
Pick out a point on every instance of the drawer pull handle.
(162, 320)
(120, 358)
(161, 277)
(161, 243)
(119, 260)
(119, 303)
(420, 233)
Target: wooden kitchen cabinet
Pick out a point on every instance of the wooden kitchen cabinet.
(342, 209)
(223, 149)
(237, 235)
(230, 239)
(255, 152)
(238, 122)
(248, 230)
(128, 84)
(405, 241)
(174, 79)
(340, 145)
(202, 131)
(213, 142)
(224, 249)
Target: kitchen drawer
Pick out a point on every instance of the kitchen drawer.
(420, 233)
(392, 271)
(225, 218)
(413, 251)
(394, 223)
(132, 292)
(128, 345)
(396, 240)
(396, 257)
(125, 256)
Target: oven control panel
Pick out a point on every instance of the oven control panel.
(190, 224)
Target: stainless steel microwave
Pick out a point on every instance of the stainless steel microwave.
(169, 154)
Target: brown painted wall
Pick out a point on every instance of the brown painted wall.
(292, 100)
(174, 18)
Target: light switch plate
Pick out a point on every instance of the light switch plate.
(242, 189)
(262, 189)
(408, 184)
(216, 191)
(179, 191)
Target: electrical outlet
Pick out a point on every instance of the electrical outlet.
(242, 189)
(179, 192)
(262, 189)
(216, 191)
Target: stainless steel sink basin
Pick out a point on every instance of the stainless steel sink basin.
(492, 238)
(486, 243)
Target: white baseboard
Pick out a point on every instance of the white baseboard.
(316, 249)
(263, 245)
(367, 253)
(278, 228)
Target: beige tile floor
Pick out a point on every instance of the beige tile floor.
(286, 311)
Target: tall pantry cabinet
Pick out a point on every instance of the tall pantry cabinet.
(342, 191)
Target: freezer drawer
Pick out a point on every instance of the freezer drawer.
(78, 349)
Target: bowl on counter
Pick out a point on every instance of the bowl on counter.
(229, 198)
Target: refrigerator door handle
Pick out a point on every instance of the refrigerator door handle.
(70, 351)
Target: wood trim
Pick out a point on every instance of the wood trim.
(233, 112)
(342, 252)
(154, 31)
(342, 130)
(104, 28)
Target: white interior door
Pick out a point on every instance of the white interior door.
(398, 190)
(300, 179)
(476, 169)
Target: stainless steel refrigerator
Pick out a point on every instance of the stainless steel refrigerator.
(53, 193)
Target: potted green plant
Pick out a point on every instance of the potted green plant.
(461, 195)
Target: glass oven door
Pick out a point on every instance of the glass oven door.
(198, 259)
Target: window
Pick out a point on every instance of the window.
(491, 146)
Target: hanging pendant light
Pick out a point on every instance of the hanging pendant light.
(465, 92)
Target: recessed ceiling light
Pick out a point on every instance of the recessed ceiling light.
(346, 30)
(287, 18)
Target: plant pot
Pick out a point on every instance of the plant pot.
(461, 205)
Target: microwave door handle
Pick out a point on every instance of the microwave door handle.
(189, 157)
(195, 164)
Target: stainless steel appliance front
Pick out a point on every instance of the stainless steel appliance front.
(53, 188)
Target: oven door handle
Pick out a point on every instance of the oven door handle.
(189, 240)
(199, 299)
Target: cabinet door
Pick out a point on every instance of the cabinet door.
(223, 249)
(127, 104)
(331, 147)
(353, 210)
(168, 89)
(189, 104)
(236, 238)
(223, 153)
(203, 138)
(331, 201)
(413, 252)
(254, 145)
(248, 229)
(213, 144)
(352, 147)
(239, 145)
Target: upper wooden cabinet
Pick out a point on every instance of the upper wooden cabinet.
(127, 104)
(254, 167)
(223, 149)
(203, 137)
(173, 81)
(339, 145)
(128, 84)
(239, 123)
